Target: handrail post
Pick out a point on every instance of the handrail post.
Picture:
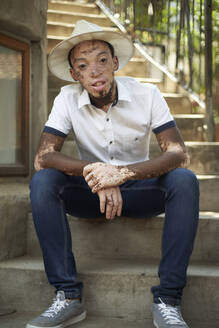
(208, 72)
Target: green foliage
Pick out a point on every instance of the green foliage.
(164, 25)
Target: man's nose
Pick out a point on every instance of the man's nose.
(95, 71)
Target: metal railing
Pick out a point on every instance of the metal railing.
(183, 30)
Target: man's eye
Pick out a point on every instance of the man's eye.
(103, 60)
(81, 66)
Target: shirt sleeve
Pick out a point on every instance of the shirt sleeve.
(161, 118)
(59, 119)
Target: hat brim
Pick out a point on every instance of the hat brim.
(58, 58)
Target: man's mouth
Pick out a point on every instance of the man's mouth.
(99, 85)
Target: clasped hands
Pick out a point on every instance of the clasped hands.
(104, 180)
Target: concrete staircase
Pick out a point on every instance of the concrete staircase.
(116, 260)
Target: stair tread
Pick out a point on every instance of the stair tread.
(75, 3)
(14, 188)
(207, 176)
(174, 95)
(189, 116)
(113, 266)
(148, 80)
(73, 25)
(202, 143)
(62, 12)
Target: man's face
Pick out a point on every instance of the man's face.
(94, 67)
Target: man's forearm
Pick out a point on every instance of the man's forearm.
(60, 162)
(158, 166)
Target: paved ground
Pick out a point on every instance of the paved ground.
(18, 320)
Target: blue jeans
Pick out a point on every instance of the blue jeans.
(53, 194)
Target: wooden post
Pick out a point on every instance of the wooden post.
(208, 71)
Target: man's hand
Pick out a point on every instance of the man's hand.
(110, 202)
(102, 175)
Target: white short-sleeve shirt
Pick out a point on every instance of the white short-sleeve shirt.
(122, 135)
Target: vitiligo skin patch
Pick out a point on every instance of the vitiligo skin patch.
(174, 155)
(48, 155)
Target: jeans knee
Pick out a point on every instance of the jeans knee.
(185, 181)
(43, 183)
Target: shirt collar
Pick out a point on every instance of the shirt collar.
(83, 99)
(123, 95)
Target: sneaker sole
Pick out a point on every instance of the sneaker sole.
(67, 323)
(155, 324)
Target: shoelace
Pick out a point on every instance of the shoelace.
(170, 314)
(56, 306)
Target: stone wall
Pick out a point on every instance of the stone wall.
(25, 20)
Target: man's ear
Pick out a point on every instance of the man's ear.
(115, 63)
(73, 74)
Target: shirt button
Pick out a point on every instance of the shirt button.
(107, 119)
(110, 142)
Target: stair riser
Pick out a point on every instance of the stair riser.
(58, 30)
(128, 238)
(13, 214)
(110, 295)
(209, 185)
(191, 128)
(198, 155)
(134, 69)
(203, 157)
(209, 191)
(72, 19)
(75, 8)
(179, 105)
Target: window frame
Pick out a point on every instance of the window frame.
(21, 169)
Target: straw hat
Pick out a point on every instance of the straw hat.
(58, 58)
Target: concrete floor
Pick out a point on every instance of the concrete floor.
(18, 320)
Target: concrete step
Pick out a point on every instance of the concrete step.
(65, 29)
(14, 206)
(75, 7)
(178, 103)
(19, 320)
(130, 238)
(72, 18)
(203, 155)
(113, 288)
(136, 67)
(192, 126)
(209, 184)
(209, 191)
(198, 151)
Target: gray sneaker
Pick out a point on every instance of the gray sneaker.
(60, 314)
(167, 316)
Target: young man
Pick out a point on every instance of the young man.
(111, 121)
